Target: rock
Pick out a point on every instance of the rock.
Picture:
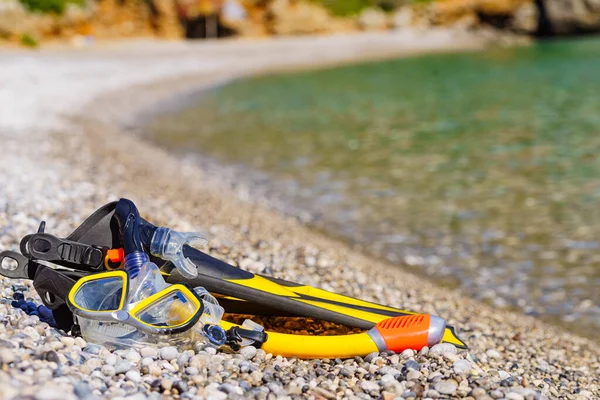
(373, 19)
(446, 387)
(493, 354)
(133, 356)
(574, 16)
(149, 352)
(133, 376)
(408, 353)
(288, 17)
(67, 341)
(461, 366)
(122, 366)
(514, 396)
(92, 349)
(248, 352)
(413, 375)
(108, 370)
(525, 19)
(443, 348)
(168, 353)
(403, 18)
(166, 384)
(369, 386)
(83, 391)
(7, 356)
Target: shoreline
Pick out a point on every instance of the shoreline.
(84, 150)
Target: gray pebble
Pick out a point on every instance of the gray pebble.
(369, 386)
(168, 353)
(248, 352)
(446, 387)
(370, 357)
(443, 348)
(122, 366)
(111, 359)
(92, 349)
(461, 366)
(83, 391)
(413, 375)
(108, 370)
(411, 364)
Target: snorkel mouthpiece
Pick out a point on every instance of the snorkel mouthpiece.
(168, 245)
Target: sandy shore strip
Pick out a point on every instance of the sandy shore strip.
(66, 150)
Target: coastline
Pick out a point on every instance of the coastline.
(81, 154)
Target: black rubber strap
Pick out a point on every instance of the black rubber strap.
(46, 247)
(236, 335)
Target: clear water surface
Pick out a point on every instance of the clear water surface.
(479, 169)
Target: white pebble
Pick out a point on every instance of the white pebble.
(248, 352)
(168, 353)
(67, 341)
(447, 387)
(491, 353)
(149, 352)
(133, 376)
(461, 366)
(133, 356)
(443, 348)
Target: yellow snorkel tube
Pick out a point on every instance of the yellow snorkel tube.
(395, 334)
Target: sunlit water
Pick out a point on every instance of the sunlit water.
(479, 169)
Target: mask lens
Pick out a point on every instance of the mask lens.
(104, 294)
(173, 309)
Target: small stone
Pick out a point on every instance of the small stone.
(183, 359)
(496, 394)
(461, 366)
(83, 391)
(133, 376)
(478, 392)
(370, 357)
(443, 348)
(369, 386)
(409, 394)
(491, 353)
(111, 359)
(412, 364)
(133, 356)
(445, 387)
(408, 353)
(248, 352)
(166, 384)
(92, 349)
(168, 353)
(181, 386)
(413, 375)
(149, 352)
(515, 396)
(67, 341)
(108, 370)
(80, 342)
(122, 366)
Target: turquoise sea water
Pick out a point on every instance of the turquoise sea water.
(480, 169)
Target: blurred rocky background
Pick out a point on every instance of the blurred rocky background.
(29, 22)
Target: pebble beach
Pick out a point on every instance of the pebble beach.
(71, 143)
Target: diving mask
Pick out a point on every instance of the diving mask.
(113, 308)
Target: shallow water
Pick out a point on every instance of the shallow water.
(478, 169)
